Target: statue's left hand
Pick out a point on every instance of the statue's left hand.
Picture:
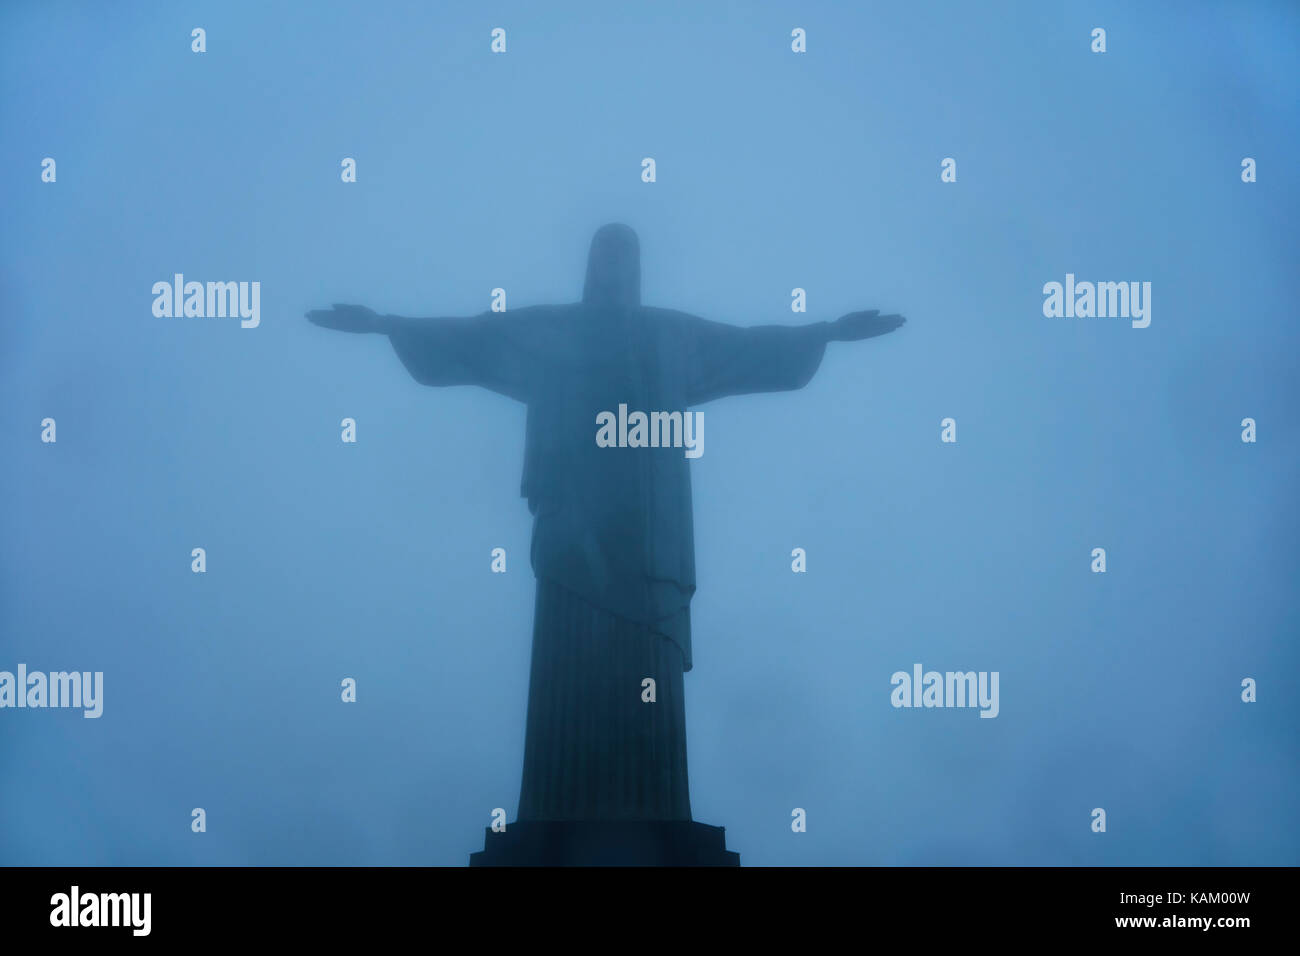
(863, 325)
(347, 318)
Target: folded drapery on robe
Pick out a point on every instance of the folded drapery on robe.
(594, 749)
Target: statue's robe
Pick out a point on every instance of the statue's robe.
(613, 547)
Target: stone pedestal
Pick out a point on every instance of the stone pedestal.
(582, 843)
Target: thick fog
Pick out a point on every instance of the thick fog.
(773, 171)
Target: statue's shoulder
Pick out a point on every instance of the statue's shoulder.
(669, 317)
(550, 333)
(540, 313)
(537, 324)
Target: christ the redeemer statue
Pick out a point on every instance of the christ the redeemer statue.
(613, 547)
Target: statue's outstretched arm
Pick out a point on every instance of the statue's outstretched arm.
(726, 359)
(481, 350)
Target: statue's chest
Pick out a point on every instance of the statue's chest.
(633, 362)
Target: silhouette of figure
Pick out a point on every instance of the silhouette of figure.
(612, 547)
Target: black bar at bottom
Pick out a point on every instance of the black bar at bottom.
(334, 905)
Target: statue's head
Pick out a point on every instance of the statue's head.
(613, 268)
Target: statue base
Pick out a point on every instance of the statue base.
(596, 843)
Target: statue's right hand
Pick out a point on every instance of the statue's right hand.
(864, 325)
(346, 318)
